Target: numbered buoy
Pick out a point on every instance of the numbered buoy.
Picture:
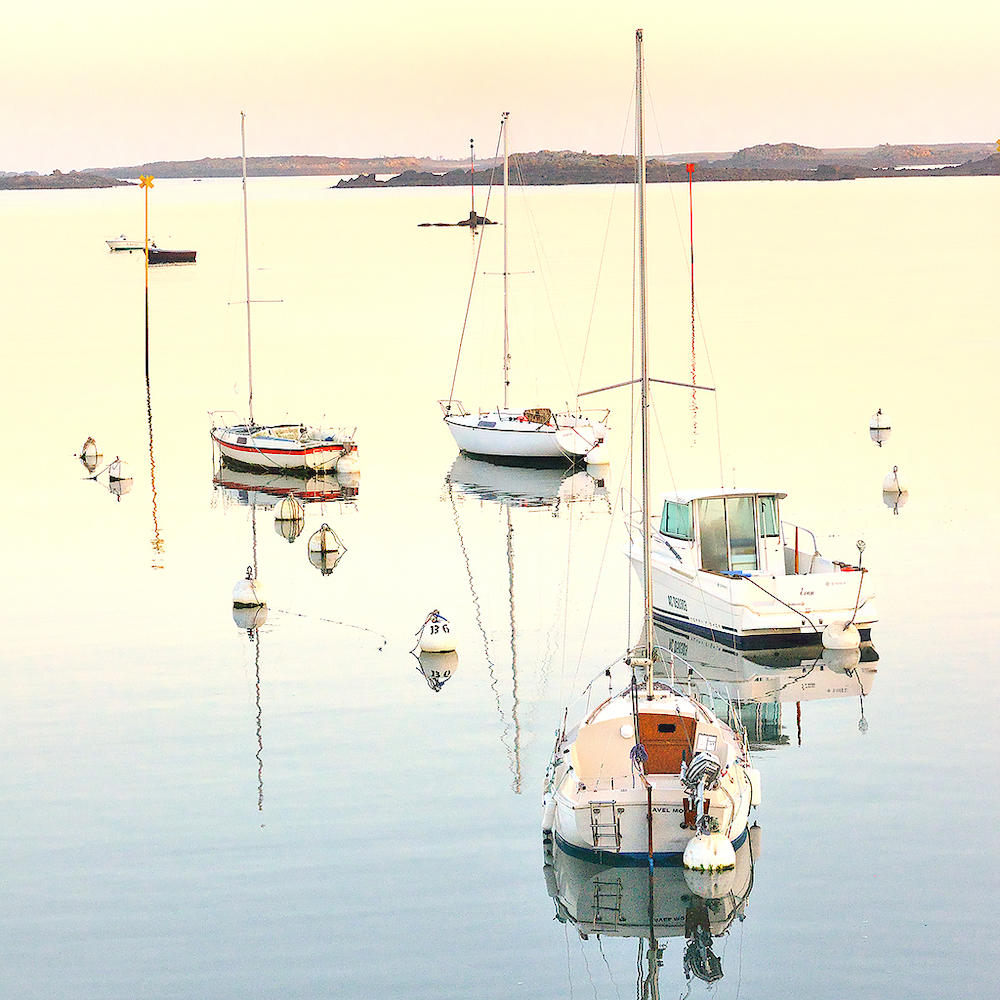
(435, 634)
(894, 482)
(290, 509)
(119, 470)
(325, 549)
(879, 427)
(841, 635)
(248, 592)
(250, 618)
(437, 668)
(709, 852)
(349, 462)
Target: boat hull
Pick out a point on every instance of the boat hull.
(261, 451)
(159, 256)
(505, 437)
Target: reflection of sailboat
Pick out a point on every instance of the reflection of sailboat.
(265, 489)
(631, 901)
(649, 773)
(518, 436)
(748, 689)
(288, 447)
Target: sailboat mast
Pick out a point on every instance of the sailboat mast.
(246, 250)
(506, 338)
(472, 180)
(640, 165)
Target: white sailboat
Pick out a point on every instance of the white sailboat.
(649, 774)
(535, 435)
(290, 447)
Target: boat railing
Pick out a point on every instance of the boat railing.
(452, 408)
(793, 531)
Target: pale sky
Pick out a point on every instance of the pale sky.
(115, 84)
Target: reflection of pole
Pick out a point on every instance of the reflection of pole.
(260, 731)
(513, 658)
(157, 540)
(798, 720)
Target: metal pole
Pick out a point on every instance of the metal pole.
(246, 249)
(506, 337)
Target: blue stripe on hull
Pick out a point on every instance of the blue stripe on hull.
(727, 637)
(599, 856)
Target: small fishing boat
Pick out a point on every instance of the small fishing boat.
(159, 255)
(726, 567)
(649, 774)
(533, 436)
(124, 243)
(290, 447)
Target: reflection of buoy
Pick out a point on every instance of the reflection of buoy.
(435, 634)
(248, 592)
(600, 456)
(250, 618)
(894, 482)
(894, 500)
(119, 470)
(709, 852)
(879, 428)
(438, 668)
(119, 487)
(841, 635)
(290, 509)
(289, 530)
(712, 884)
(325, 549)
(842, 661)
(349, 462)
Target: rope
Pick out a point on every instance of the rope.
(801, 614)
(334, 621)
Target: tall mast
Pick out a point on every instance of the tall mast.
(640, 164)
(506, 339)
(246, 249)
(472, 179)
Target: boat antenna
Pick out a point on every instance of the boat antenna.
(246, 249)
(640, 165)
(506, 339)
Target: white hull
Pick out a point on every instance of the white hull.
(284, 447)
(505, 434)
(126, 244)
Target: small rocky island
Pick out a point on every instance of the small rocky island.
(58, 180)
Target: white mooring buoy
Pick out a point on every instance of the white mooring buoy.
(89, 454)
(349, 463)
(290, 509)
(709, 852)
(879, 427)
(435, 634)
(841, 635)
(248, 592)
(325, 549)
(894, 482)
(599, 456)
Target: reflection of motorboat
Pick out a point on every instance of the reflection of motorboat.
(632, 901)
(265, 489)
(523, 486)
(747, 689)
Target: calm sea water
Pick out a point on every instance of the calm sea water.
(189, 812)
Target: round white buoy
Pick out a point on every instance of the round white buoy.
(894, 482)
(841, 661)
(841, 635)
(248, 592)
(709, 852)
(894, 500)
(250, 618)
(711, 885)
(349, 463)
(438, 668)
(290, 509)
(89, 454)
(879, 427)
(325, 549)
(599, 455)
(119, 469)
(435, 634)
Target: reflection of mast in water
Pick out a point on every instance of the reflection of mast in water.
(512, 752)
(513, 657)
(255, 638)
(157, 541)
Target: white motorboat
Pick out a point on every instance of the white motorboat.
(289, 447)
(649, 773)
(124, 243)
(532, 436)
(726, 567)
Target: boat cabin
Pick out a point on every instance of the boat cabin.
(725, 530)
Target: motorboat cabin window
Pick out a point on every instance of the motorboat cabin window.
(712, 535)
(675, 521)
(728, 534)
(742, 533)
(767, 516)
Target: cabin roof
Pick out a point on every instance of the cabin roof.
(686, 496)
